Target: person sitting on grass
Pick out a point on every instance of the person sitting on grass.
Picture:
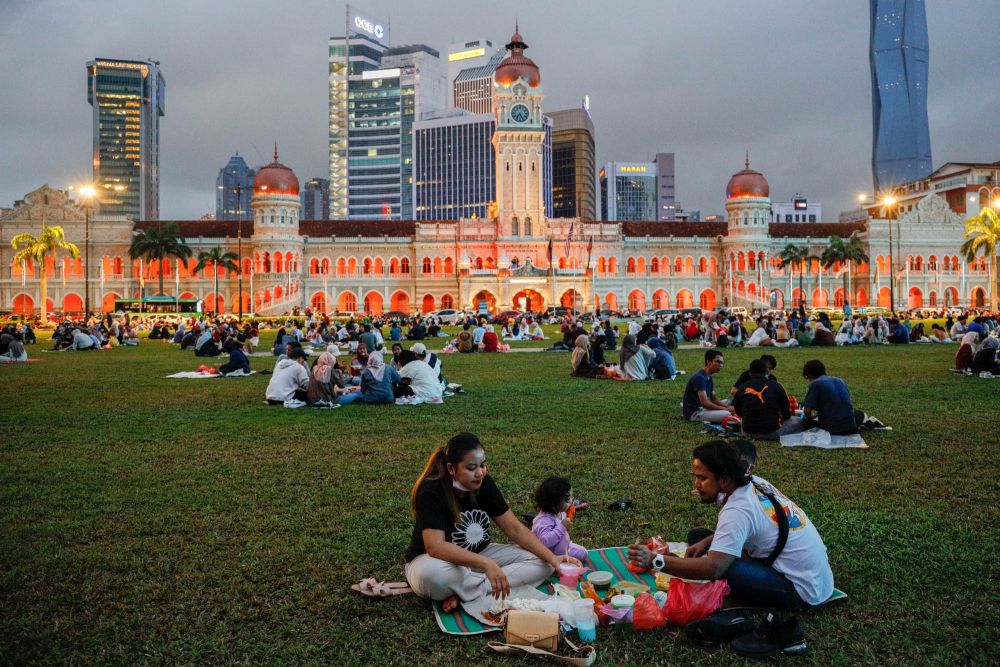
(82, 341)
(431, 360)
(663, 366)
(771, 363)
(966, 352)
(581, 362)
(700, 403)
(11, 349)
(465, 341)
(290, 379)
(762, 405)
(634, 360)
(745, 548)
(829, 397)
(451, 557)
(490, 341)
(238, 361)
(378, 382)
(554, 497)
(421, 377)
(985, 360)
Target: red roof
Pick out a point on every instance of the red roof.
(815, 229)
(656, 228)
(196, 228)
(348, 228)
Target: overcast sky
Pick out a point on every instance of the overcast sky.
(787, 80)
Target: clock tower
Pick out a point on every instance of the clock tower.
(518, 142)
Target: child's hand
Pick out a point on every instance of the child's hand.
(567, 522)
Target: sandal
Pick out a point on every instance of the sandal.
(375, 589)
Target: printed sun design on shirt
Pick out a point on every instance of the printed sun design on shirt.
(796, 517)
(472, 529)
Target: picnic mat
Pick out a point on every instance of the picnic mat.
(611, 559)
(817, 437)
(194, 375)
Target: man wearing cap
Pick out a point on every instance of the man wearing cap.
(431, 360)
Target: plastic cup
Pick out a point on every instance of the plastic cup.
(569, 575)
(585, 619)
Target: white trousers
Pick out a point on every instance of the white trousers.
(438, 579)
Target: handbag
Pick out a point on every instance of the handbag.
(538, 633)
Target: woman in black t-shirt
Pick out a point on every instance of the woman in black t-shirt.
(450, 556)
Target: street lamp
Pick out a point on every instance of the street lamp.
(890, 203)
(87, 192)
(239, 246)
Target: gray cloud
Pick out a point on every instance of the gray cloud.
(786, 79)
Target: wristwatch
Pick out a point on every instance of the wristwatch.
(659, 562)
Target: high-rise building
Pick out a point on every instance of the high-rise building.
(454, 164)
(899, 53)
(628, 191)
(466, 55)
(666, 196)
(127, 97)
(315, 196)
(233, 190)
(472, 88)
(798, 209)
(574, 164)
(376, 93)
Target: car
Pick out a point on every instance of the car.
(508, 315)
(447, 316)
(557, 311)
(663, 313)
(395, 315)
(691, 312)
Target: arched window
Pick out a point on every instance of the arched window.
(629, 266)
(393, 266)
(426, 265)
(514, 226)
(449, 265)
(527, 226)
(479, 262)
(404, 265)
(702, 265)
(678, 265)
(654, 267)
(367, 266)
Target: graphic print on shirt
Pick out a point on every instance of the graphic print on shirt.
(758, 394)
(472, 529)
(796, 517)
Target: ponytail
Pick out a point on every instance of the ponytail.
(436, 469)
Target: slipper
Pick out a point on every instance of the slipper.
(620, 505)
(374, 589)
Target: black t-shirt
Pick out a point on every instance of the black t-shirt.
(745, 377)
(762, 404)
(472, 531)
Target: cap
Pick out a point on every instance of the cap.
(419, 348)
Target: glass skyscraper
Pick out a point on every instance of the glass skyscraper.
(233, 190)
(372, 110)
(128, 99)
(628, 191)
(901, 143)
(455, 165)
(574, 157)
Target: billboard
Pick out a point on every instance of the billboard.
(362, 23)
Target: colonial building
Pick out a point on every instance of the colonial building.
(514, 258)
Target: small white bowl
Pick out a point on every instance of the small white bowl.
(599, 578)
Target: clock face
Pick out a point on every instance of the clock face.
(520, 113)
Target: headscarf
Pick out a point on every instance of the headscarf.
(581, 351)
(377, 366)
(333, 349)
(323, 368)
(629, 349)
(634, 328)
(991, 343)
(971, 339)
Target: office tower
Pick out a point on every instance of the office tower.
(127, 97)
(454, 164)
(472, 88)
(666, 198)
(574, 162)
(901, 143)
(629, 191)
(315, 198)
(798, 209)
(233, 190)
(466, 55)
(376, 93)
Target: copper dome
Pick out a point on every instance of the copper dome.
(747, 183)
(516, 65)
(275, 179)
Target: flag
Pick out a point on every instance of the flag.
(550, 253)
(590, 248)
(24, 272)
(177, 280)
(569, 239)
(142, 276)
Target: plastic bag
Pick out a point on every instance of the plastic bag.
(646, 614)
(690, 601)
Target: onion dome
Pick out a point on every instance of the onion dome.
(747, 183)
(275, 179)
(516, 65)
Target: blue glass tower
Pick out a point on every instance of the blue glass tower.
(901, 142)
(233, 190)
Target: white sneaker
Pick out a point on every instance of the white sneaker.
(680, 372)
(294, 403)
(403, 400)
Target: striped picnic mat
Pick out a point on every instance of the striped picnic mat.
(612, 559)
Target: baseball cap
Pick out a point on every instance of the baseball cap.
(419, 348)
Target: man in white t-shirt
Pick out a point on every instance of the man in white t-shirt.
(423, 380)
(746, 536)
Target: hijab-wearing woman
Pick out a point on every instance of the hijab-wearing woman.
(985, 360)
(321, 381)
(377, 383)
(966, 351)
(663, 366)
(582, 365)
(451, 556)
(490, 341)
(635, 360)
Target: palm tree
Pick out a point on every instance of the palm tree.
(982, 233)
(159, 243)
(36, 249)
(792, 255)
(217, 257)
(850, 252)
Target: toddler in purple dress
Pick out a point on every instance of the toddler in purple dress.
(554, 497)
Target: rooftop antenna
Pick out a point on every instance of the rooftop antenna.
(747, 163)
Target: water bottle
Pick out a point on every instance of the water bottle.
(585, 619)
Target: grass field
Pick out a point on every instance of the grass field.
(153, 521)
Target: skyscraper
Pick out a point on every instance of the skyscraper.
(574, 161)
(233, 190)
(472, 88)
(127, 97)
(901, 143)
(315, 196)
(376, 93)
(465, 55)
(639, 190)
(666, 196)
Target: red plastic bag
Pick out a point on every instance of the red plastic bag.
(689, 601)
(646, 614)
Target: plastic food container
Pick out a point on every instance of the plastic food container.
(623, 601)
(599, 578)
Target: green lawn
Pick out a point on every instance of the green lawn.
(147, 520)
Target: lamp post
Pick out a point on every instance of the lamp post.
(239, 246)
(87, 192)
(890, 204)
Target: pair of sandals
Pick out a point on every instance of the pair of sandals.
(372, 588)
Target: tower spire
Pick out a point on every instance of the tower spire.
(745, 164)
(275, 151)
